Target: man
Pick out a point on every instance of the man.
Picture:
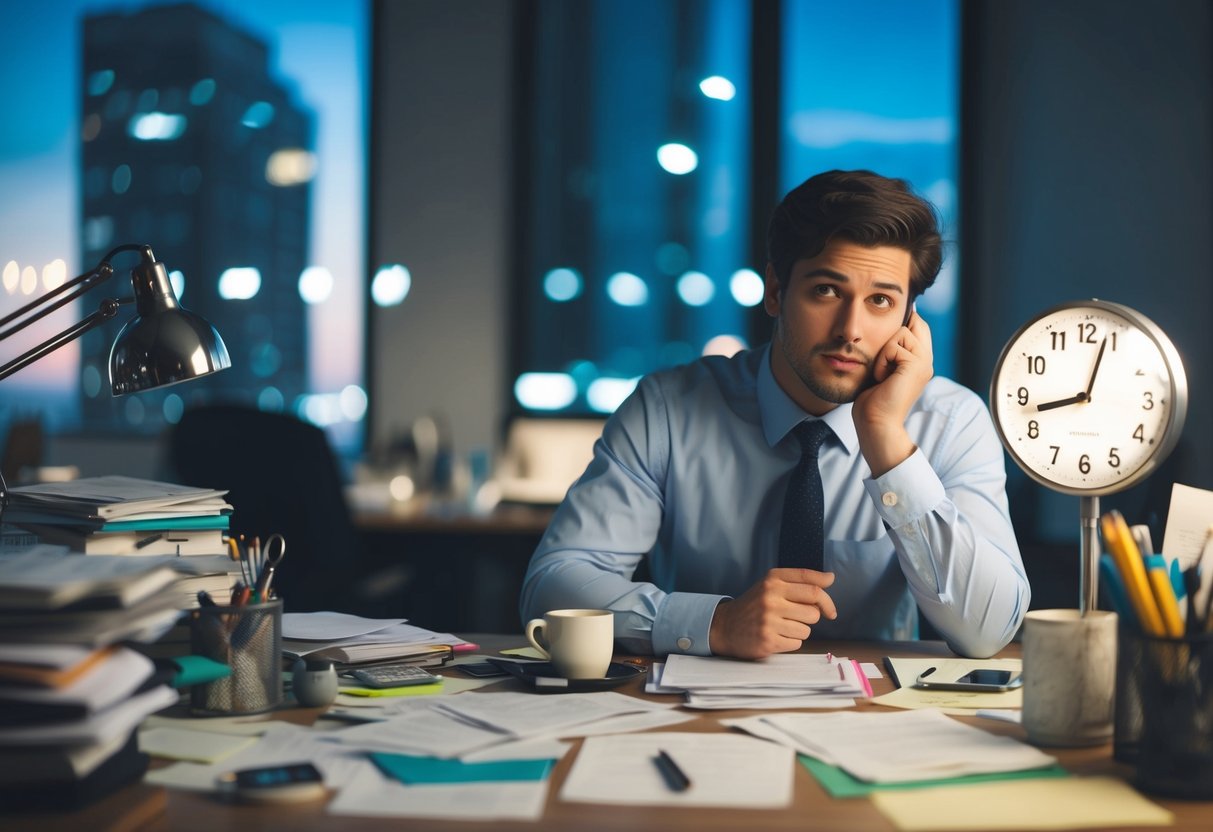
(700, 471)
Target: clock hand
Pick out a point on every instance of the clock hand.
(1081, 397)
(1098, 359)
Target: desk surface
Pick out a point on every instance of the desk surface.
(811, 808)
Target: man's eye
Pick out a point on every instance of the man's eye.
(883, 301)
(825, 290)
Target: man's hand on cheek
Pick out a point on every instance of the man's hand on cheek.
(901, 370)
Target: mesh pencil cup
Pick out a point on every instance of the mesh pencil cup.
(1164, 713)
(249, 640)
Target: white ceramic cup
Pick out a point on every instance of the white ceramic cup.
(1069, 677)
(579, 643)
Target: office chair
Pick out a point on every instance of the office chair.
(281, 476)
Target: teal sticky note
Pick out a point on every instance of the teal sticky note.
(195, 670)
(413, 770)
(840, 784)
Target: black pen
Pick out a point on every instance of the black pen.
(674, 776)
(139, 544)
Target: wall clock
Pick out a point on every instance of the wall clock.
(1088, 398)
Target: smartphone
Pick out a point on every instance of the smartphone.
(289, 783)
(981, 680)
(481, 670)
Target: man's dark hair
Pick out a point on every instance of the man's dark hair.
(859, 206)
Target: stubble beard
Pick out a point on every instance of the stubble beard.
(821, 382)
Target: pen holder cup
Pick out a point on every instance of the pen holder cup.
(1164, 713)
(249, 640)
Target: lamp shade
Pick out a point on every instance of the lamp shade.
(164, 343)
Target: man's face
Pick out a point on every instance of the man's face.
(838, 310)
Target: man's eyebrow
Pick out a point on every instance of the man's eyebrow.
(842, 278)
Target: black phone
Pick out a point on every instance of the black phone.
(481, 670)
(979, 680)
(273, 784)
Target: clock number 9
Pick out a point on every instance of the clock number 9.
(1021, 396)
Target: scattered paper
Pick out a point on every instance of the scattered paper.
(191, 746)
(372, 794)
(1065, 803)
(724, 770)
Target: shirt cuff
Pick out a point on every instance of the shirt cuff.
(683, 623)
(906, 493)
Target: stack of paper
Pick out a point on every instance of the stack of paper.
(778, 682)
(67, 721)
(900, 747)
(134, 517)
(351, 639)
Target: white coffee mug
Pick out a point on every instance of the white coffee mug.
(1069, 676)
(579, 643)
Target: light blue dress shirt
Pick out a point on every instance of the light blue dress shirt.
(691, 471)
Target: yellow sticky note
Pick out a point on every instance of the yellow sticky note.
(1062, 803)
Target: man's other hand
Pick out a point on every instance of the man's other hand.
(775, 615)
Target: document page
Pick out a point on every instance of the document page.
(724, 770)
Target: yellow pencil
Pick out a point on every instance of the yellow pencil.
(1120, 543)
(1164, 596)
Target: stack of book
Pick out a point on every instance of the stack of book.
(127, 516)
(71, 698)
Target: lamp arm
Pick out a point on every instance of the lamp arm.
(107, 309)
(94, 277)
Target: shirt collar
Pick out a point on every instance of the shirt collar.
(780, 414)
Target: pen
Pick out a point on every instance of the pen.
(674, 776)
(147, 541)
(205, 600)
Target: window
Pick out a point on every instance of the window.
(230, 141)
(639, 228)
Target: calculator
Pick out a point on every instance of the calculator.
(394, 676)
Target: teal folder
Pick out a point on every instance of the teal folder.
(192, 521)
(414, 770)
(840, 784)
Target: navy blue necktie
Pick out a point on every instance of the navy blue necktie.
(800, 534)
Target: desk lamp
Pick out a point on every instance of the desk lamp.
(163, 344)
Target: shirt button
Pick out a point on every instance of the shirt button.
(889, 498)
(684, 643)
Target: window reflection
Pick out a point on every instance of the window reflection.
(228, 137)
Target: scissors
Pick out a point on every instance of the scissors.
(271, 555)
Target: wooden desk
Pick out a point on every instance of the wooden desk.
(504, 520)
(811, 808)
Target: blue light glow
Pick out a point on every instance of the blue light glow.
(391, 285)
(545, 391)
(99, 82)
(718, 87)
(315, 284)
(258, 115)
(677, 158)
(202, 92)
(562, 284)
(239, 283)
(606, 394)
(696, 288)
(626, 289)
(156, 126)
(746, 287)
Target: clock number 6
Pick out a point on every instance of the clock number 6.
(1084, 464)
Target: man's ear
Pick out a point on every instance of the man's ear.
(771, 295)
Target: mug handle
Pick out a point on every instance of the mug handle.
(533, 634)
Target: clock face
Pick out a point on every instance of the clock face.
(1089, 397)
